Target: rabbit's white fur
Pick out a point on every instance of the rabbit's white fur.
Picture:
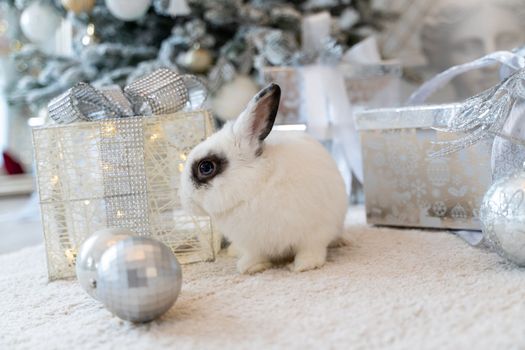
(288, 200)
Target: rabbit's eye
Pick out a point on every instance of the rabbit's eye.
(206, 168)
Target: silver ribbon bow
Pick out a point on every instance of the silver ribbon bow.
(161, 92)
(483, 115)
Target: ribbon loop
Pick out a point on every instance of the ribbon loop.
(197, 91)
(485, 114)
(510, 61)
(161, 92)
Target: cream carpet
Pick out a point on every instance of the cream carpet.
(396, 289)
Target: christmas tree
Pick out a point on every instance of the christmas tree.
(116, 41)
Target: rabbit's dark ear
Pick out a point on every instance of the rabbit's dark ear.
(256, 122)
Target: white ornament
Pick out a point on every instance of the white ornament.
(232, 97)
(39, 22)
(128, 10)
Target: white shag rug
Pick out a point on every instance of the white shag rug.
(396, 289)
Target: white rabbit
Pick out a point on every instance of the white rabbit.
(272, 196)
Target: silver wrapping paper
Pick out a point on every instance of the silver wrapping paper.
(404, 186)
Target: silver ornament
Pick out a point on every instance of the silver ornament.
(90, 253)
(503, 217)
(139, 279)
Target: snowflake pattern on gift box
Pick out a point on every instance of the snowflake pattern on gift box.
(404, 187)
(508, 157)
(419, 188)
(439, 208)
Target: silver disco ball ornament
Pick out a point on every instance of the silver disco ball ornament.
(503, 217)
(138, 279)
(90, 253)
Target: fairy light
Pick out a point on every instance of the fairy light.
(109, 130)
(17, 45)
(71, 255)
(3, 26)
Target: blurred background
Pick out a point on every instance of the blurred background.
(384, 50)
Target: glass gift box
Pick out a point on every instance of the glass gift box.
(289, 79)
(373, 85)
(119, 173)
(404, 185)
(367, 86)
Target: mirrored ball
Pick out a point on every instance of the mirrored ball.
(139, 279)
(90, 253)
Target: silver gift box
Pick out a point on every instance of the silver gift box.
(404, 186)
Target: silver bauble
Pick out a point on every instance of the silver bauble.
(139, 279)
(503, 217)
(90, 253)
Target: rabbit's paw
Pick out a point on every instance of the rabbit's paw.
(251, 264)
(308, 259)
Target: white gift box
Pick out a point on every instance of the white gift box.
(404, 186)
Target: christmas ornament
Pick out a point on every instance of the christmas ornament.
(39, 22)
(503, 217)
(78, 6)
(232, 97)
(128, 10)
(138, 279)
(90, 253)
(12, 166)
(197, 60)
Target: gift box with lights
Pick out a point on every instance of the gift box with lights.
(119, 172)
(404, 185)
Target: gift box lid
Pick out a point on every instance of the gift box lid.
(427, 116)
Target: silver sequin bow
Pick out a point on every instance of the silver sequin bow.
(161, 92)
(485, 115)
